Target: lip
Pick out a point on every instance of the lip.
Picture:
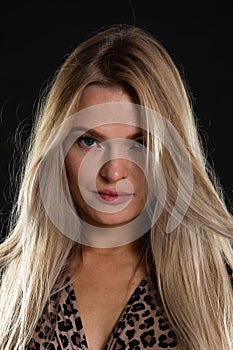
(113, 197)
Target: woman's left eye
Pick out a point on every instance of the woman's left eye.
(139, 143)
(87, 142)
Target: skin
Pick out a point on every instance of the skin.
(112, 172)
(113, 273)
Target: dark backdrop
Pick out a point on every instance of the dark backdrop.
(36, 38)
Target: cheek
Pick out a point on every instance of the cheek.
(139, 181)
(72, 163)
(77, 179)
(138, 174)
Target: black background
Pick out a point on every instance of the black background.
(36, 38)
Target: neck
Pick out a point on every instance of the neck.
(126, 258)
(130, 249)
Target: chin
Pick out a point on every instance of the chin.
(113, 221)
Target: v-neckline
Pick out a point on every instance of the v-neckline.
(123, 313)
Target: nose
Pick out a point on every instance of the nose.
(114, 170)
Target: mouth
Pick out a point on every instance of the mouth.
(114, 197)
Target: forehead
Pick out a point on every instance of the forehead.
(102, 104)
(123, 117)
(96, 94)
(114, 130)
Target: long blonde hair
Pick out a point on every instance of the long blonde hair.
(190, 263)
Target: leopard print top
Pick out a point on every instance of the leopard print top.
(141, 325)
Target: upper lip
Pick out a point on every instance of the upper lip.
(114, 193)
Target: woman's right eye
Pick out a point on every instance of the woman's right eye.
(87, 142)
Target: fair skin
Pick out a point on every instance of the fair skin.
(113, 273)
(115, 175)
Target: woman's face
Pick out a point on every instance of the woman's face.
(118, 191)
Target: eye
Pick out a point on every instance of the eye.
(140, 143)
(87, 142)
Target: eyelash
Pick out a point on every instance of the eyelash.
(86, 137)
(83, 138)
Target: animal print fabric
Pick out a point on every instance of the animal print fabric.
(141, 325)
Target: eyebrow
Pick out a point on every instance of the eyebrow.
(97, 134)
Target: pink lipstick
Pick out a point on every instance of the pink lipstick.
(113, 197)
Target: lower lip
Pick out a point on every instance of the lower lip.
(111, 199)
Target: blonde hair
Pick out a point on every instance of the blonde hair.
(190, 263)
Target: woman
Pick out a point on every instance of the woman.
(68, 280)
